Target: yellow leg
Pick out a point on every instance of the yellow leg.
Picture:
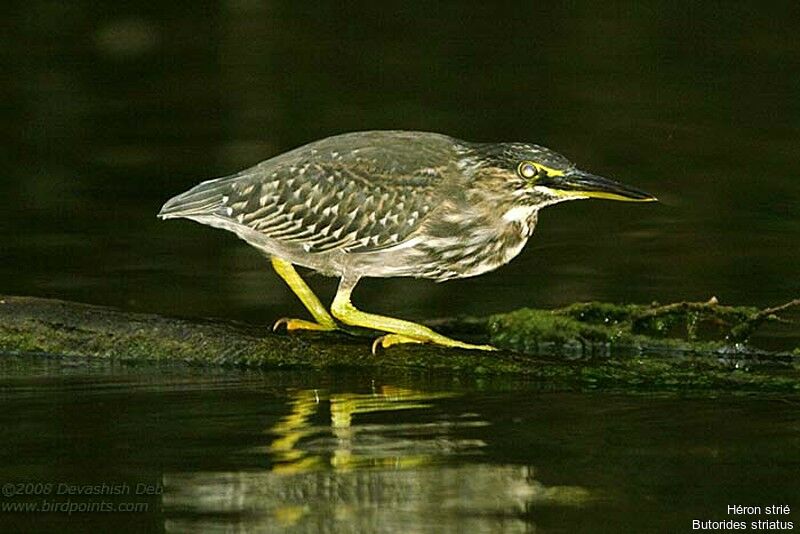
(324, 321)
(400, 331)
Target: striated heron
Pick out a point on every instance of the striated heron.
(390, 203)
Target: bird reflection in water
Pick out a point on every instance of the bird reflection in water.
(353, 462)
(339, 444)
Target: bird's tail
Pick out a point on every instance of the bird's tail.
(206, 198)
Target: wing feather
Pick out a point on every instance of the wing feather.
(358, 193)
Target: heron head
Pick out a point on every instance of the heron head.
(546, 177)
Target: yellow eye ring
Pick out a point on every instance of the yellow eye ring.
(527, 169)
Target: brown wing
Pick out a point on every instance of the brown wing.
(359, 192)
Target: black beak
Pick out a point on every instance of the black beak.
(584, 184)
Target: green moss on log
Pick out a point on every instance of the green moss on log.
(599, 327)
(682, 346)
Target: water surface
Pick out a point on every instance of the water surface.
(361, 452)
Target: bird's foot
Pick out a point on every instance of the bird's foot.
(388, 340)
(301, 324)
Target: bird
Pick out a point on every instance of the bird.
(390, 203)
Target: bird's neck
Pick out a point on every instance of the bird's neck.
(521, 219)
(508, 205)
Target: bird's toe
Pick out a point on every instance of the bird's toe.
(388, 340)
(301, 324)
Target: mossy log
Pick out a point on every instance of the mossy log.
(685, 346)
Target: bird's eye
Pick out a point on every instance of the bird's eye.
(526, 169)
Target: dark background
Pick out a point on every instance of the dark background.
(108, 109)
